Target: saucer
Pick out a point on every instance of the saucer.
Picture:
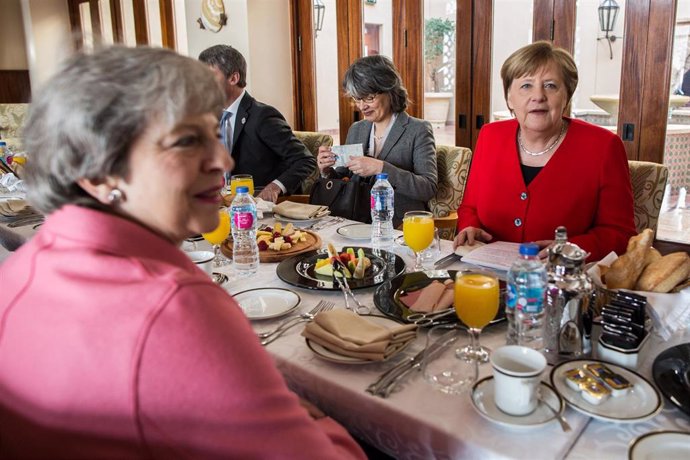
(265, 303)
(483, 401)
(669, 445)
(355, 231)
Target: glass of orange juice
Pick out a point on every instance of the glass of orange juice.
(217, 236)
(476, 304)
(418, 232)
(238, 180)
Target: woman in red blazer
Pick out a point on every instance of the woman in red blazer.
(541, 169)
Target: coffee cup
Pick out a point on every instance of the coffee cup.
(517, 373)
(203, 260)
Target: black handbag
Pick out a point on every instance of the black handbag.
(345, 198)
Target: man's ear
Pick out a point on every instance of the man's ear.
(100, 189)
(234, 78)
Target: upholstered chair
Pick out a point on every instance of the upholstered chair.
(312, 141)
(648, 183)
(11, 122)
(453, 169)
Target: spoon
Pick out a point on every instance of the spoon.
(564, 423)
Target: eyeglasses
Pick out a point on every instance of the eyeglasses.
(367, 99)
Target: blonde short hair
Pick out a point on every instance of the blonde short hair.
(529, 59)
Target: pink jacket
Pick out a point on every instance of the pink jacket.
(585, 186)
(114, 344)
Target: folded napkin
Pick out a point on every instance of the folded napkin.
(346, 333)
(669, 312)
(294, 210)
(434, 296)
(263, 206)
(13, 207)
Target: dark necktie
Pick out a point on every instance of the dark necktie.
(226, 130)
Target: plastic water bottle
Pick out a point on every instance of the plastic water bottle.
(525, 299)
(245, 251)
(382, 196)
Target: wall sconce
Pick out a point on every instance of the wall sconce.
(608, 13)
(319, 10)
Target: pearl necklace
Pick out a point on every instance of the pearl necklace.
(547, 149)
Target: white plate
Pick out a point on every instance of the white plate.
(265, 303)
(355, 231)
(328, 355)
(642, 402)
(483, 401)
(669, 445)
(298, 221)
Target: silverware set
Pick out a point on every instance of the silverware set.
(323, 223)
(269, 336)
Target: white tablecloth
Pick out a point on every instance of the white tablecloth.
(418, 422)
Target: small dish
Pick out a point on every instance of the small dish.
(328, 355)
(669, 445)
(641, 403)
(355, 231)
(482, 397)
(266, 303)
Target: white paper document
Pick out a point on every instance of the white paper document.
(343, 153)
(499, 255)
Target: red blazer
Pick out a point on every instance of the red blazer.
(585, 187)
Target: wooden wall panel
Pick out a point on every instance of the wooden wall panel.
(542, 18)
(349, 19)
(634, 56)
(167, 23)
(482, 39)
(15, 86)
(463, 74)
(408, 30)
(655, 96)
(564, 18)
(303, 60)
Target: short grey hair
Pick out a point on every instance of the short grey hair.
(376, 75)
(83, 122)
(226, 59)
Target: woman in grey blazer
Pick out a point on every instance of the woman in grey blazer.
(393, 142)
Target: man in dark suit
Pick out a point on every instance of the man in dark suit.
(257, 135)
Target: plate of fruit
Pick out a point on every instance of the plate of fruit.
(279, 242)
(314, 269)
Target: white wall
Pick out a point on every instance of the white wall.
(12, 50)
(48, 40)
(327, 84)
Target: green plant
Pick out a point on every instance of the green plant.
(437, 31)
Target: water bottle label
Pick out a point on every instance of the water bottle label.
(511, 297)
(378, 202)
(532, 301)
(244, 220)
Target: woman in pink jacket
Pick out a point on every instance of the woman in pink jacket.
(541, 170)
(112, 342)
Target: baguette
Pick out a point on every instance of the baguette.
(625, 270)
(664, 274)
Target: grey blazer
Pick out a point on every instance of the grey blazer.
(409, 155)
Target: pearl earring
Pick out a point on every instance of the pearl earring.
(115, 196)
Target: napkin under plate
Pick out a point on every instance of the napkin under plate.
(348, 334)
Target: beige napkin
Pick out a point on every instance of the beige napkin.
(13, 207)
(294, 210)
(346, 333)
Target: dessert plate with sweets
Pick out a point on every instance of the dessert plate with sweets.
(606, 391)
(312, 269)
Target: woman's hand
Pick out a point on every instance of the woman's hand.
(365, 166)
(469, 235)
(325, 159)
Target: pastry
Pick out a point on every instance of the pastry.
(625, 270)
(665, 273)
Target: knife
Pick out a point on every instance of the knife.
(447, 260)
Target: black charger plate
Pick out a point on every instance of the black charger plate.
(671, 372)
(299, 270)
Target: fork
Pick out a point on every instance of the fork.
(303, 318)
(309, 315)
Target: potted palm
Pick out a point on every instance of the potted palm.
(438, 33)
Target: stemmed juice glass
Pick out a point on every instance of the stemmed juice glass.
(476, 304)
(217, 236)
(418, 232)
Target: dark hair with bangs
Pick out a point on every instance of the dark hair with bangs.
(376, 75)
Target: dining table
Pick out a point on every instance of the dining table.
(417, 421)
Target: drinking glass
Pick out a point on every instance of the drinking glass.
(476, 304)
(238, 180)
(442, 367)
(418, 232)
(217, 236)
(431, 254)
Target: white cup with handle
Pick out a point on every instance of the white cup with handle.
(203, 260)
(517, 374)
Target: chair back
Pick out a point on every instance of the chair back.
(312, 141)
(12, 118)
(648, 182)
(453, 168)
